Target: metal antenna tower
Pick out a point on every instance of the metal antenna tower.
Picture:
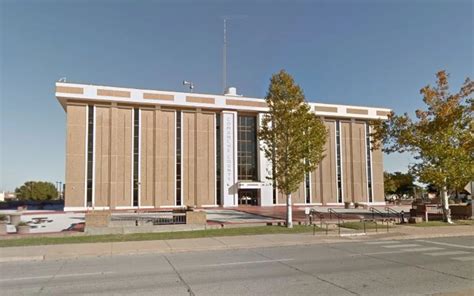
(224, 49)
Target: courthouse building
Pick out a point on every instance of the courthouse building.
(132, 148)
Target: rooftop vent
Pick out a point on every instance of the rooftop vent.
(232, 92)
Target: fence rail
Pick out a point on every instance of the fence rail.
(155, 219)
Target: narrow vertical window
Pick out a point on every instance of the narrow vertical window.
(274, 193)
(273, 174)
(369, 161)
(90, 154)
(178, 158)
(338, 162)
(136, 155)
(307, 188)
(247, 148)
(218, 158)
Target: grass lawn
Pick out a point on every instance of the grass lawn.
(35, 241)
(360, 225)
(441, 223)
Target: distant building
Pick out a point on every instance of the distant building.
(6, 195)
(134, 148)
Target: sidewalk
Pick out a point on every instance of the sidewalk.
(51, 252)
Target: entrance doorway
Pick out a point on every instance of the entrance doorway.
(249, 197)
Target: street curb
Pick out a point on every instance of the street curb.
(19, 259)
(322, 239)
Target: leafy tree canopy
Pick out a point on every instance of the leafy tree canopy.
(294, 137)
(441, 139)
(37, 190)
(399, 183)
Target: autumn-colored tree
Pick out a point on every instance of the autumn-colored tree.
(440, 139)
(293, 136)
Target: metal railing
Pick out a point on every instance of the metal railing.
(391, 212)
(370, 221)
(314, 213)
(338, 216)
(376, 211)
(154, 218)
(365, 221)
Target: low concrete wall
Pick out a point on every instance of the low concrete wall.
(3, 228)
(142, 229)
(101, 223)
(97, 219)
(15, 218)
(198, 218)
(461, 211)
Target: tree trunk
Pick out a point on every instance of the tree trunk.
(445, 205)
(289, 212)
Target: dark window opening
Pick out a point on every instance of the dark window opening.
(307, 187)
(338, 162)
(369, 161)
(218, 158)
(136, 134)
(247, 148)
(90, 155)
(178, 158)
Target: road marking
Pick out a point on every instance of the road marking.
(402, 246)
(247, 262)
(57, 276)
(405, 251)
(382, 242)
(447, 253)
(467, 258)
(447, 244)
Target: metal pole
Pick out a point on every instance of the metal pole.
(224, 58)
(364, 226)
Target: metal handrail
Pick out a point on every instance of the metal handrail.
(377, 211)
(320, 215)
(392, 211)
(338, 215)
(364, 221)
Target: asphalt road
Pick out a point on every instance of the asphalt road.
(405, 267)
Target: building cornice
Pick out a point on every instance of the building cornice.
(99, 93)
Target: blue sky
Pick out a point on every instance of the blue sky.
(373, 53)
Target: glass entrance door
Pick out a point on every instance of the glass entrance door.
(248, 197)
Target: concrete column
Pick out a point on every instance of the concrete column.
(229, 188)
(113, 156)
(264, 171)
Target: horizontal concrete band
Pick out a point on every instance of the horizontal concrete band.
(74, 91)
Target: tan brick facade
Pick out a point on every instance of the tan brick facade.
(114, 140)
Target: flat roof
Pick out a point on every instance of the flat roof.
(100, 93)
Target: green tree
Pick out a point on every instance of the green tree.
(293, 136)
(440, 139)
(36, 190)
(399, 183)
